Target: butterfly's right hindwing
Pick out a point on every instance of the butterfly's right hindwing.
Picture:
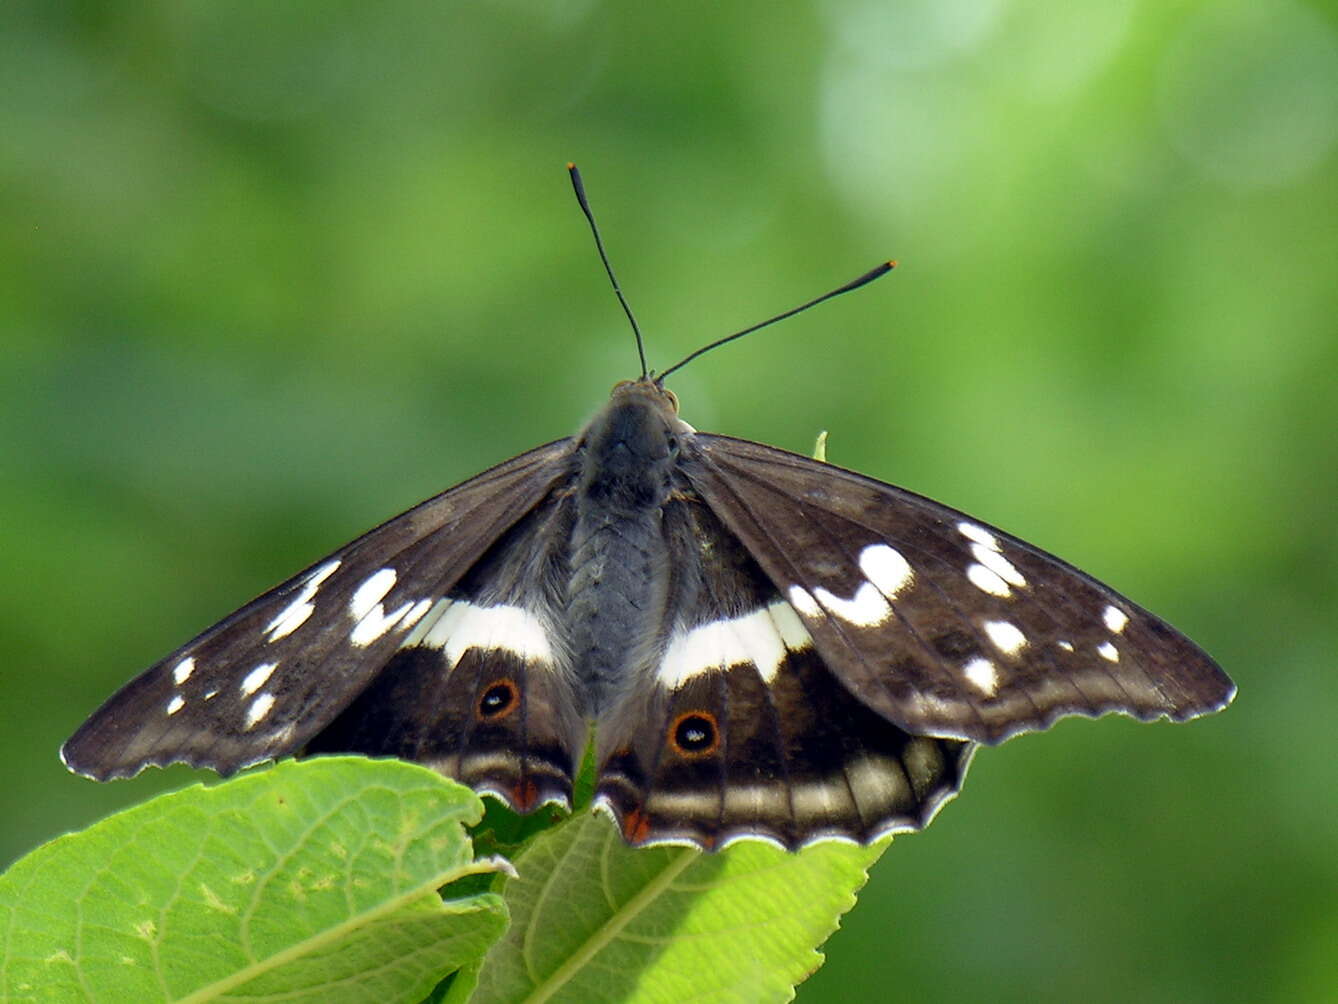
(265, 680)
(482, 688)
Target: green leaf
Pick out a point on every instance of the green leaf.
(595, 920)
(310, 881)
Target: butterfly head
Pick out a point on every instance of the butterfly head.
(630, 448)
(649, 388)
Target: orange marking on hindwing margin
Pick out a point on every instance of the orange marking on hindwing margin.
(524, 794)
(636, 826)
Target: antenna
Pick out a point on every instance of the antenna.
(863, 280)
(599, 245)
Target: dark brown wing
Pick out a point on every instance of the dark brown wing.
(940, 622)
(482, 688)
(264, 680)
(738, 728)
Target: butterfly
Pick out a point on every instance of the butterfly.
(763, 645)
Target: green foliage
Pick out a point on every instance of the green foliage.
(274, 272)
(314, 881)
(318, 880)
(595, 920)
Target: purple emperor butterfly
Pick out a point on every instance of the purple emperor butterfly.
(766, 645)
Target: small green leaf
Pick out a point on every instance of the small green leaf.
(310, 881)
(595, 920)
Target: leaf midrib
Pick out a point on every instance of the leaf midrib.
(611, 928)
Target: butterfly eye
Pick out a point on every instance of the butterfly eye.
(498, 701)
(694, 734)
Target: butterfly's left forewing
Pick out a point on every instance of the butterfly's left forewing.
(271, 676)
(945, 625)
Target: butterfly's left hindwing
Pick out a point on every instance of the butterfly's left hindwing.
(271, 676)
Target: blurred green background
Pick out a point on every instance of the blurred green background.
(273, 272)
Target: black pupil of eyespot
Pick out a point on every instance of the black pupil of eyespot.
(497, 698)
(694, 733)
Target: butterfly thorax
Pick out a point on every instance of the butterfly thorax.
(619, 558)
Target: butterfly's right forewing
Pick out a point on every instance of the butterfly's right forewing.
(269, 677)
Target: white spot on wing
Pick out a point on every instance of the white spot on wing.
(426, 623)
(761, 638)
(259, 709)
(323, 572)
(458, 625)
(175, 704)
(979, 534)
(183, 671)
(932, 706)
(983, 674)
(684, 803)
(791, 628)
(816, 799)
(1115, 618)
(987, 581)
(802, 600)
(416, 613)
(887, 574)
(1006, 636)
(886, 569)
(255, 679)
(867, 608)
(371, 593)
(998, 564)
(370, 613)
(1108, 652)
(876, 783)
(1067, 646)
(378, 622)
(296, 613)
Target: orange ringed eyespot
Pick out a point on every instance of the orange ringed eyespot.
(500, 699)
(694, 734)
